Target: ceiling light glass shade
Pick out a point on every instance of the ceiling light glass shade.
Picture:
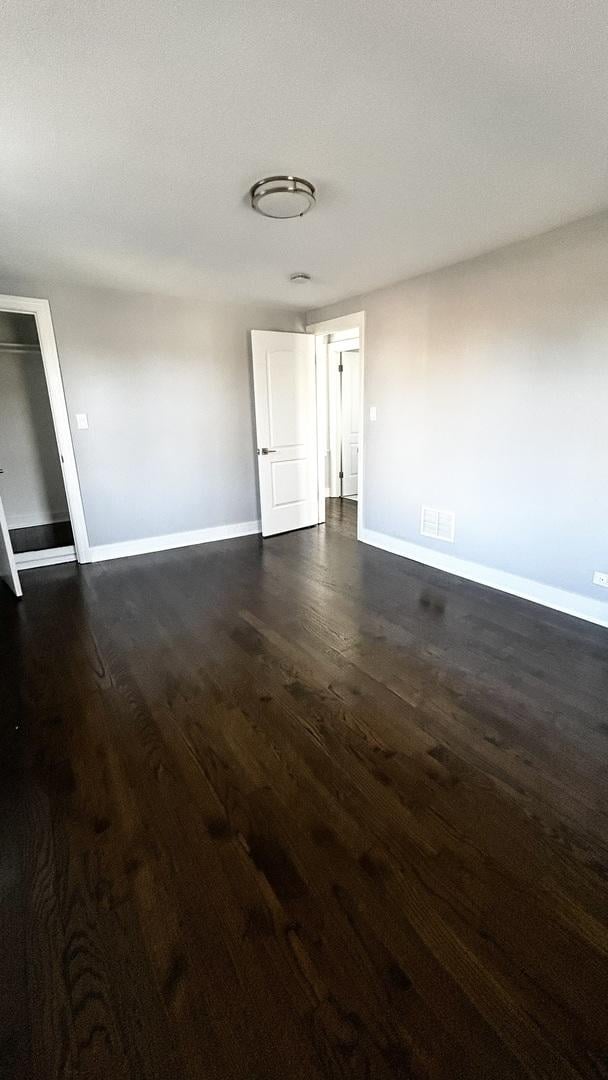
(282, 196)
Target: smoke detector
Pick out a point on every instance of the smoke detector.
(283, 196)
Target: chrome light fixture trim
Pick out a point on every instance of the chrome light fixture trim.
(264, 196)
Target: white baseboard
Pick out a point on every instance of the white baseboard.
(125, 548)
(29, 521)
(582, 607)
(30, 560)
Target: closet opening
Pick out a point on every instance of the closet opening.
(41, 517)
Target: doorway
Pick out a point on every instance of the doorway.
(41, 515)
(340, 352)
(308, 405)
(343, 394)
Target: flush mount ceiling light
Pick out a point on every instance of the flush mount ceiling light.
(282, 196)
(300, 278)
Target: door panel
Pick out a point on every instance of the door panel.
(287, 387)
(286, 425)
(289, 479)
(8, 567)
(350, 421)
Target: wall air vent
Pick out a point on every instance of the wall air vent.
(438, 524)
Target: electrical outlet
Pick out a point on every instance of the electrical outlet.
(600, 579)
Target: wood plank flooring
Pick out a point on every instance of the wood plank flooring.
(299, 809)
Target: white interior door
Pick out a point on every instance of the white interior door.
(350, 383)
(284, 384)
(8, 566)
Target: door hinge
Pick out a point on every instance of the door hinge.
(340, 475)
(340, 367)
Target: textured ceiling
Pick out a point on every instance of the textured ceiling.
(131, 132)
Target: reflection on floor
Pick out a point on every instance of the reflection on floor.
(41, 537)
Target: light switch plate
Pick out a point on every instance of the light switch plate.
(82, 421)
(372, 413)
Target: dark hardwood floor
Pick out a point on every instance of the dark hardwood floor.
(40, 537)
(299, 809)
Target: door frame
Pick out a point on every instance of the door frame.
(356, 321)
(40, 309)
(11, 578)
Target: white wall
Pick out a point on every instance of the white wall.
(491, 385)
(166, 385)
(31, 485)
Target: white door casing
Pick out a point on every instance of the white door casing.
(286, 425)
(8, 566)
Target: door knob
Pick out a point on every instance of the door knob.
(265, 450)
